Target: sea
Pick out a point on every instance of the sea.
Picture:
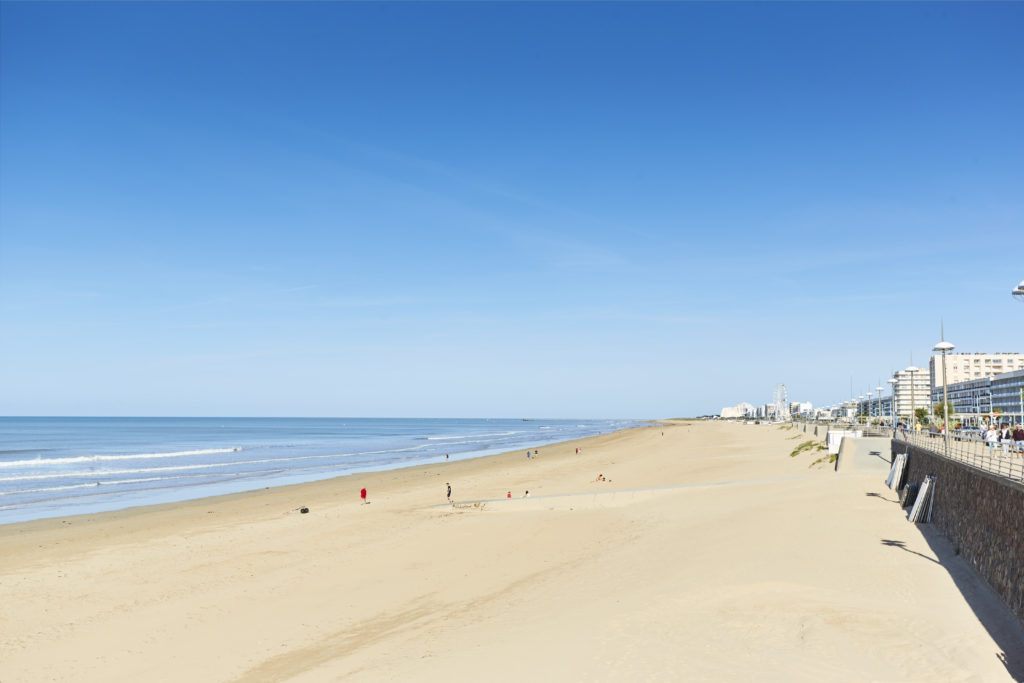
(58, 466)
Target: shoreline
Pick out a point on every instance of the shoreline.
(176, 495)
(295, 491)
(706, 553)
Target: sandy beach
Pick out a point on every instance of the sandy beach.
(708, 554)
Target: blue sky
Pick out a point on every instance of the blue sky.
(585, 210)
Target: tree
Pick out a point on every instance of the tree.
(937, 409)
(922, 415)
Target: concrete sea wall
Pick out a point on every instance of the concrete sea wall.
(981, 514)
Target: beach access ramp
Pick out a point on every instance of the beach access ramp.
(864, 454)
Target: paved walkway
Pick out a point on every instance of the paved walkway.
(866, 454)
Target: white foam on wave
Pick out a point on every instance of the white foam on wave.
(92, 485)
(468, 436)
(103, 458)
(176, 468)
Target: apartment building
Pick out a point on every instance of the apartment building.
(911, 391)
(971, 399)
(963, 367)
(987, 396)
(1008, 394)
(741, 410)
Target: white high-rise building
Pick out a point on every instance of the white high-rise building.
(741, 410)
(961, 367)
(912, 391)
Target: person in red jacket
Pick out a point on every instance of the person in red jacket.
(362, 494)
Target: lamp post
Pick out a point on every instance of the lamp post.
(913, 390)
(945, 346)
(868, 420)
(892, 404)
(879, 411)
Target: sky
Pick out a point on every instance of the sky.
(632, 210)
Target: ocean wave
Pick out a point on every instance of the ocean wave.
(467, 436)
(104, 458)
(174, 468)
(118, 482)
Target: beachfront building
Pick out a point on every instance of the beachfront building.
(979, 400)
(874, 408)
(1008, 395)
(801, 408)
(971, 400)
(743, 410)
(885, 407)
(911, 391)
(962, 367)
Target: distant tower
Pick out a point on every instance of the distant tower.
(781, 403)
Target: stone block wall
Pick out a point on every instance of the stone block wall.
(981, 514)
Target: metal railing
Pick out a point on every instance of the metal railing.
(967, 447)
(1002, 459)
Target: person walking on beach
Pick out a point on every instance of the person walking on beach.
(509, 495)
(362, 494)
(526, 495)
(449, 491)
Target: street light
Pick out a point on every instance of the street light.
(868, 422)
(945, 346)
(880, 420)
(913, 390)
(892, 406)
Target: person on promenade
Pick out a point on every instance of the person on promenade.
(1006, 436)
(362, 495)
(992, 438)
(1018, 438)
